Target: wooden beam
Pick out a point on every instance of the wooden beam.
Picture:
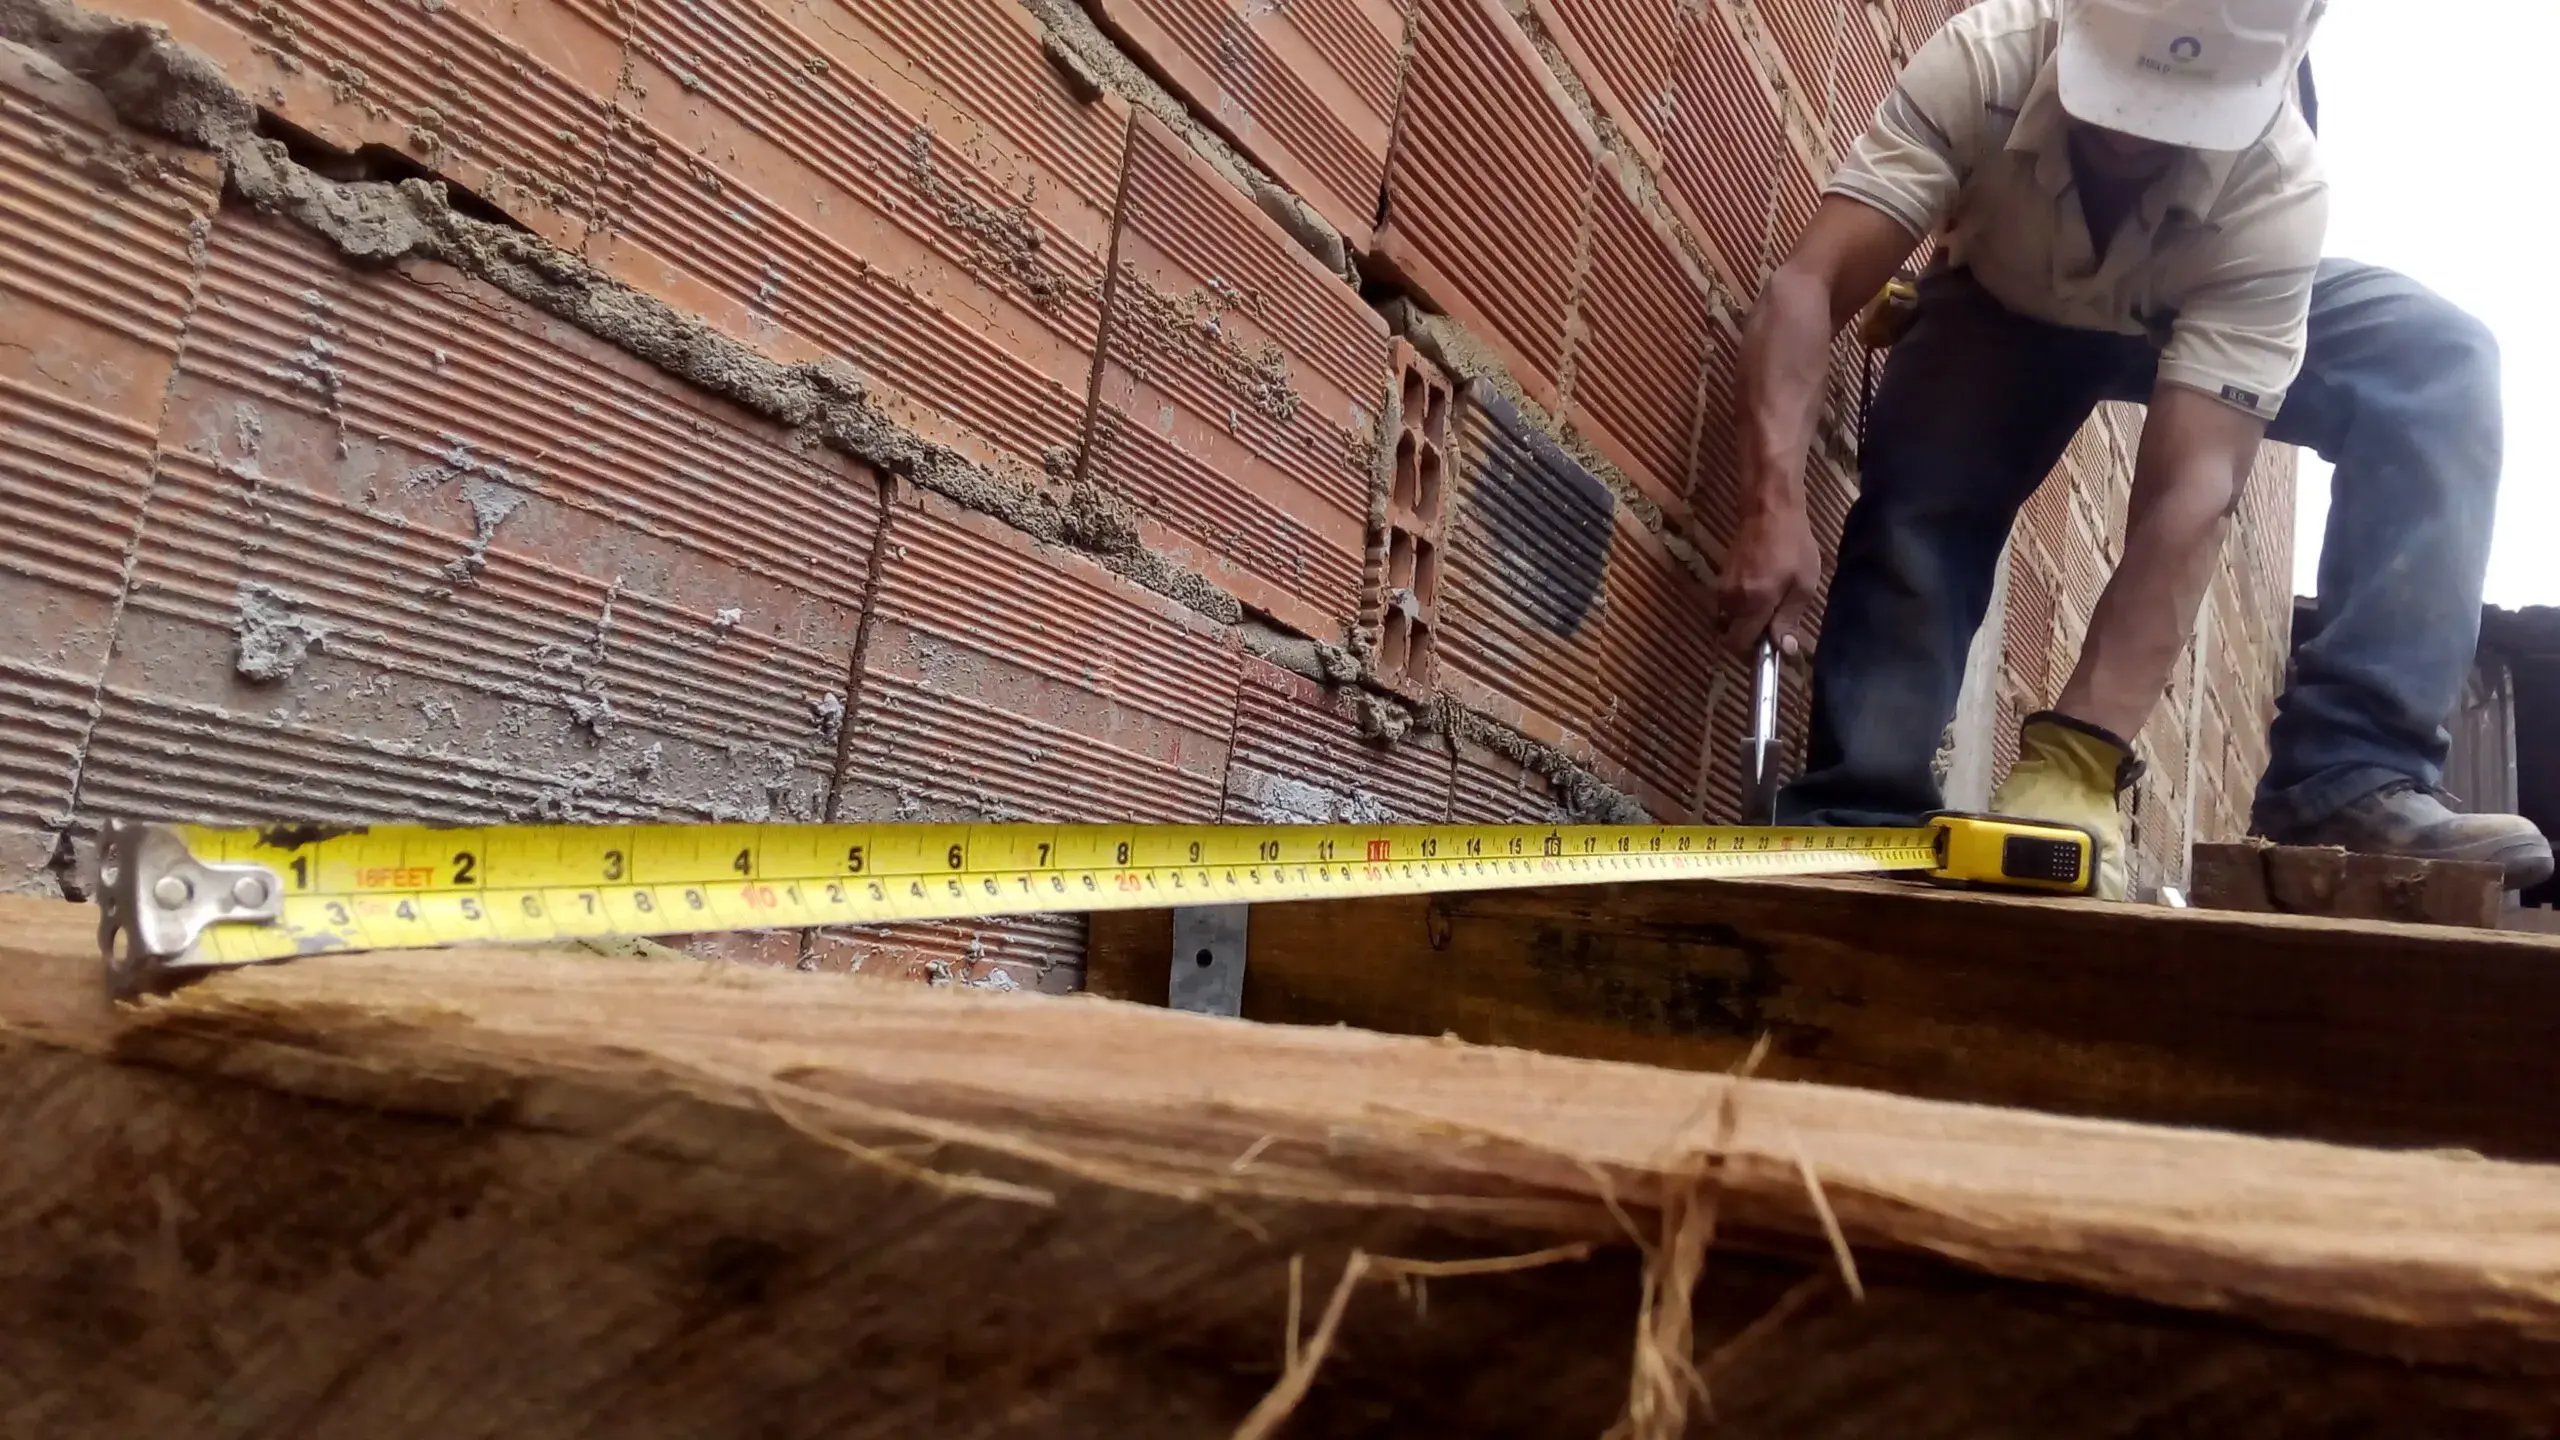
(2279, 1025)
(2531, 922)
(541, 1193)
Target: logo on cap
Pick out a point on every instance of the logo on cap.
(2186, 49)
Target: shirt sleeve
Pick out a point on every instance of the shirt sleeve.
(1912, 162)
(2244, 308)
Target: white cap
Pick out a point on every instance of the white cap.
(2204, 74)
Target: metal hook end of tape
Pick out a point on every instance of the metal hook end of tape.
(155, 899)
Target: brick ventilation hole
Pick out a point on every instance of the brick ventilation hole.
(1401, 602)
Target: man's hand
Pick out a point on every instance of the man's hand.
(1768, 586)
(2073, 773)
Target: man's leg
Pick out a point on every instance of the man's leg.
(2399, 390)
(1974, 409)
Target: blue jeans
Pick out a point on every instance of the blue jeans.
(2398, 389)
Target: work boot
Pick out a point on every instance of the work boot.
(2408, 820)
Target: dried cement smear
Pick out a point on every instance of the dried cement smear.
(1318, 661)
(826, 711)
(1008, 240)
(1381, 718)
(369, 223)
(1081, 77)
(1288, 801)
(154, 83)
(583, 690)
(1091, 63)
(828, 400)
(490, 491)
(1584, 798)
(274, 636)
(1194, 325)
(491, 502)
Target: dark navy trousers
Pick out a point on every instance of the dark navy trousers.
(2399, 390)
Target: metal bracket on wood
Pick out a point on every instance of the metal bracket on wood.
(1208, 959)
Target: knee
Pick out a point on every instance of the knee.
(2468, 345)
(2464, 413)
(2429, 384)
(1897, 537)
(2448, 345)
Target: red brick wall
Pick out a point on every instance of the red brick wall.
(303, 538)
(89, 338)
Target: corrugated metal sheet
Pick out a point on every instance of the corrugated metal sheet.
(2481, 768)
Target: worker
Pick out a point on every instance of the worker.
(2130, 206)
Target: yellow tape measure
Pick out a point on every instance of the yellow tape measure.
(176, 898)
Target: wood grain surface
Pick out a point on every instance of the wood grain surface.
(534, 1193)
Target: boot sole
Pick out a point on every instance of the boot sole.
(2527, 861)
(2527, 868)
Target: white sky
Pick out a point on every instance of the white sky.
(2426, 111)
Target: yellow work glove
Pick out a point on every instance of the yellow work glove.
(2072, 773)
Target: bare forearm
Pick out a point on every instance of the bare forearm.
(2173, 539)
(1786, 354)
(1774, 569)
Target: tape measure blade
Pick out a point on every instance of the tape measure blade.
(403, 886)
